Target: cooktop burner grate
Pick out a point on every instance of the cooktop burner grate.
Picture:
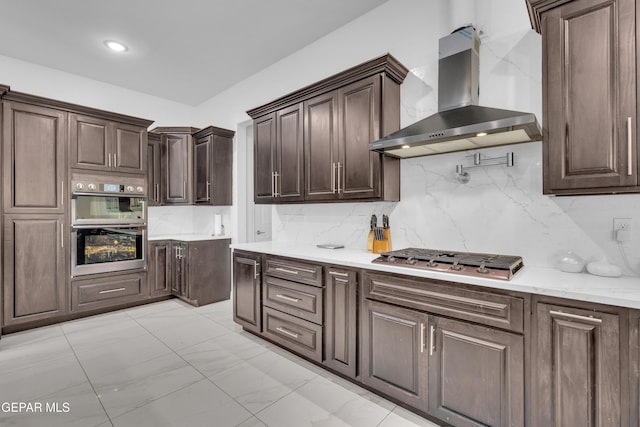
(466, 263)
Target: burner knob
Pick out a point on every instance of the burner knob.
(482, 269)
(80, 186)
(92, 187)
(139, 189)
(411, 260)
(456, 266)
(130, 188)
(391, 259)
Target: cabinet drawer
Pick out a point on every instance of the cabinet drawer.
(295, 334)
(299, 300)
(447, 298)
(108, 291)
(301, 272)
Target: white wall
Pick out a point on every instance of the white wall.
(501, 209)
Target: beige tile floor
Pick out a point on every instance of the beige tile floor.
(170, 364)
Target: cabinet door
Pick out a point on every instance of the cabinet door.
(359, 124)
(340, 323)
(89, 141)
(476, 374)
(202, 169)
(178, 167)
(34, 267)
(321, 147)
(34, 153)
(577, 368)
(129, 145)
(394, 360)
(589, 93)
(246, 291)
(221, 193)
(289, 161)
(159, 268)
(264, 158)
(154, 174)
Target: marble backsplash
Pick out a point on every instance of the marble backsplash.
(187, 219)
(500, 210)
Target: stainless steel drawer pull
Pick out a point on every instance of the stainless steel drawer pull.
(255, 270)
(286, 298)
(286, 270)
(629, 147)
(108, 291)
(337, 273)
(339, 167)
(575, 316)
(421, 337)
(432, 340)
(109, 156)
(115, 162)
(291, 334)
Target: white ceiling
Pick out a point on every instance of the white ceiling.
(183, 50)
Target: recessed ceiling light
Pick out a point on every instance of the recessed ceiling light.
(406, 146)
(115, 46)
(481, 134)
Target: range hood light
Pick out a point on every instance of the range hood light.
(460, 123)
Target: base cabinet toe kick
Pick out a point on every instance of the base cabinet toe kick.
(456, 354)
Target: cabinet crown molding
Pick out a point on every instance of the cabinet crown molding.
(384, 64)
(174, 129)
(213, 130)
(538, 7)
(72, 108)
(3, 90)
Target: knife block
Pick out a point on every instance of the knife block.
(370, 241)
(383, 245)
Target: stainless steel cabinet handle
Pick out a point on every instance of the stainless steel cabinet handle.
(286, 298)
(184, 188)
(108, 291)
(115, 163)
(629, 147)
(158, 193)
(62, 193)
(336, 273)
(273, 188)
(255, 270)
(339, 175)
(432, 340)
(62, 235)
(109, 156)
(421, 337)
(333, 178)
(278, 184)
(208, 190)
(575, 316)
(286, 270)
(284, 331)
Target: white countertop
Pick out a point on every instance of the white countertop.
(186, 237)
(621, 291)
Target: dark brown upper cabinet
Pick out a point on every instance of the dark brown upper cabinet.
(155, 148)
(105, 145)
(34, 158)
(213, 166)
(313, 145)
(589, 95)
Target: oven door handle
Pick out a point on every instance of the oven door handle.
(106, 226)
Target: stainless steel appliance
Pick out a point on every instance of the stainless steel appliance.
(492, 266)
(108, 224)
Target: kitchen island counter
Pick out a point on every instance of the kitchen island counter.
(621, 291)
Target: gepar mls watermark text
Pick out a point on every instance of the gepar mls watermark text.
(35, 407)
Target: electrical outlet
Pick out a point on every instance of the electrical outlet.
(621, 224)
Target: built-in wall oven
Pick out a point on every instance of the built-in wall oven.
(108, 224)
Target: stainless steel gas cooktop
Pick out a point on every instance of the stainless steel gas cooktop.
(491, 266)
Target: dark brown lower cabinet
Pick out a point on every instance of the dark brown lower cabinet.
(34, 278)
(576, 368)
(247, 306)
(476, 374)
(393, 359)
(108, 290)
(341, 306)
(159, 261)
(201, 271)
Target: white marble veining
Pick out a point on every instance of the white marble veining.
(226, 377)
(621, 291)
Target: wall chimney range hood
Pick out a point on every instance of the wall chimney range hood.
(460, 123)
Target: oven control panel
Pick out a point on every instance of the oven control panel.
(105, 185)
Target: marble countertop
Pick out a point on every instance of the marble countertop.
(621, 291)
(186, 237)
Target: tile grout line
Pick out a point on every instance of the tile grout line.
(87, 376)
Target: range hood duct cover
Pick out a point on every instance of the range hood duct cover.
(460, 123)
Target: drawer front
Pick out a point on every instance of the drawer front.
(299, 300)
(295, 334)
(446, 298)
(107, 291)
(300, 272)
